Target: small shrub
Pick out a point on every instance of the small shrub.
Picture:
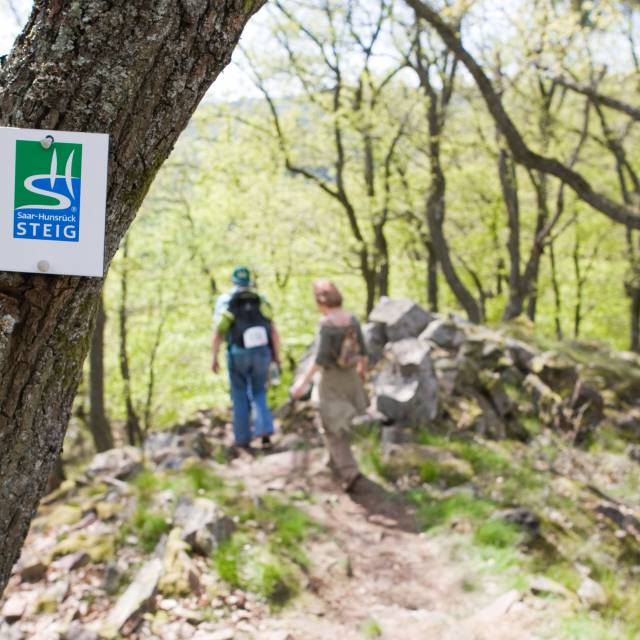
(497, 533)
(269, 577)
(227, 559)
(257, 569)
(149, 527)
(371, 629)
(202, 479)
(146, 483)
(482, 459)
(432, 512)
(429, 471)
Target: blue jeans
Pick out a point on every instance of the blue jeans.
(248, 375)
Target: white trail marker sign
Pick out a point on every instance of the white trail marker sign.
(53, 187)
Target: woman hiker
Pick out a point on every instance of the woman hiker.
(342, 363)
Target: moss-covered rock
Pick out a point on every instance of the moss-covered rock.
(177, 565)
(432, 464)
(99, 547)
(65, 514)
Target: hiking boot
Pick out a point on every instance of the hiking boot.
(242, 449)
(266, 442)
(350, 485)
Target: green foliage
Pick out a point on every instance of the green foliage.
(266, 552)
(429, 471)
(564, 574)
(449, 473)
(497, 533)
(268, 567)
(227, 558)
(371, 629)
(149, 527)
(191, 479)
(433, 512)
(483, 459)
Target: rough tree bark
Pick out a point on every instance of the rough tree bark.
(135, 69)
(98, 422)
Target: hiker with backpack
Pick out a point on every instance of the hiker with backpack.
(244, 318)
(341, 362)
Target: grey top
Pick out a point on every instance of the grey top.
(330, 339)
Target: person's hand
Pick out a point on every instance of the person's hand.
(362, 370)
(215, 367)
(298, 389)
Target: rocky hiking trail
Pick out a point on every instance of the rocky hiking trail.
(371, 573)
(501, 501)
(374, 575)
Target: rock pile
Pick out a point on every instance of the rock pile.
(444, 372)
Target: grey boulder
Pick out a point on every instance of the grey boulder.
(400, 318)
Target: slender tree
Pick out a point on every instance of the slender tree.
(436, 70)
(98, 421)
(341, 85)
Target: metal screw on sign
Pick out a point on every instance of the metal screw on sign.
(47, 141)
(43, 266)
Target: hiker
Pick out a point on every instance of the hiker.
(342, 362)
(244, 318)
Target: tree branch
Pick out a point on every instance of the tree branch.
(521, 152)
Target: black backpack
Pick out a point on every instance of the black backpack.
(250, 328)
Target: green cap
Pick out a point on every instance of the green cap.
(241, 277)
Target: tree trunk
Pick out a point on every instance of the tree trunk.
(557, 296)
(135, 69)
(635, 320)
(435, 213)
(509, 184)
(369, 277)
(432, 278)
(382, 260)
(132, 423)
(98, 422)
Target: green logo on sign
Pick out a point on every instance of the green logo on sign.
(47, 191)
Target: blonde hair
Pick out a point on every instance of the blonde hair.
(326, 293)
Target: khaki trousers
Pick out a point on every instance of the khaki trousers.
(341, 397)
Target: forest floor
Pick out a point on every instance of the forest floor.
(374, 575)
(417, 551)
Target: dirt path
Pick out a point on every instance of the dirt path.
(374, 575)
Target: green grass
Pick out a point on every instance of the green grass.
(271, 567)
(370, 458)
(227, 559)
(149, 527)
(497, 533)
(430, 471)
(256, 568)
(265, 555)
(371, 629)
(191, 480)
(483, 459)
(588, 625)
(432, 512)
(563, 574)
